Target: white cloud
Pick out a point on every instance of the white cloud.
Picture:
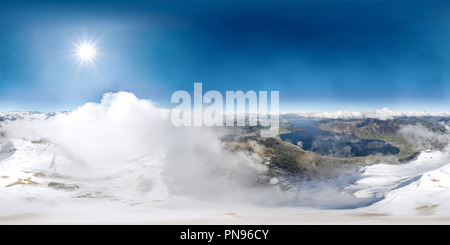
(382, 114)
(124, 132)
(424, 138)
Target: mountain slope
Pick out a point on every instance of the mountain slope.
(385, 130)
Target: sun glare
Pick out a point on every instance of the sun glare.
(86, 52)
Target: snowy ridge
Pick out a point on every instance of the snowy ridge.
(46, 171)
(122, 161)
(416, 188)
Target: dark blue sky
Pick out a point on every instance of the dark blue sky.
(320, 54)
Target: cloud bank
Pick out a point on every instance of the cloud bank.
(125, 134)
(382, 114)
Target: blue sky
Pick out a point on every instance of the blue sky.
(320, 55)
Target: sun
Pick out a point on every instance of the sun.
(86, 52)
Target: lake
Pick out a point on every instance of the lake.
(335, 144)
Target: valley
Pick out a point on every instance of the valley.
(321, 147)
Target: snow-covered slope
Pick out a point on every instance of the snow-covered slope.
(418, 188)
(121, 161)
(122, 153)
